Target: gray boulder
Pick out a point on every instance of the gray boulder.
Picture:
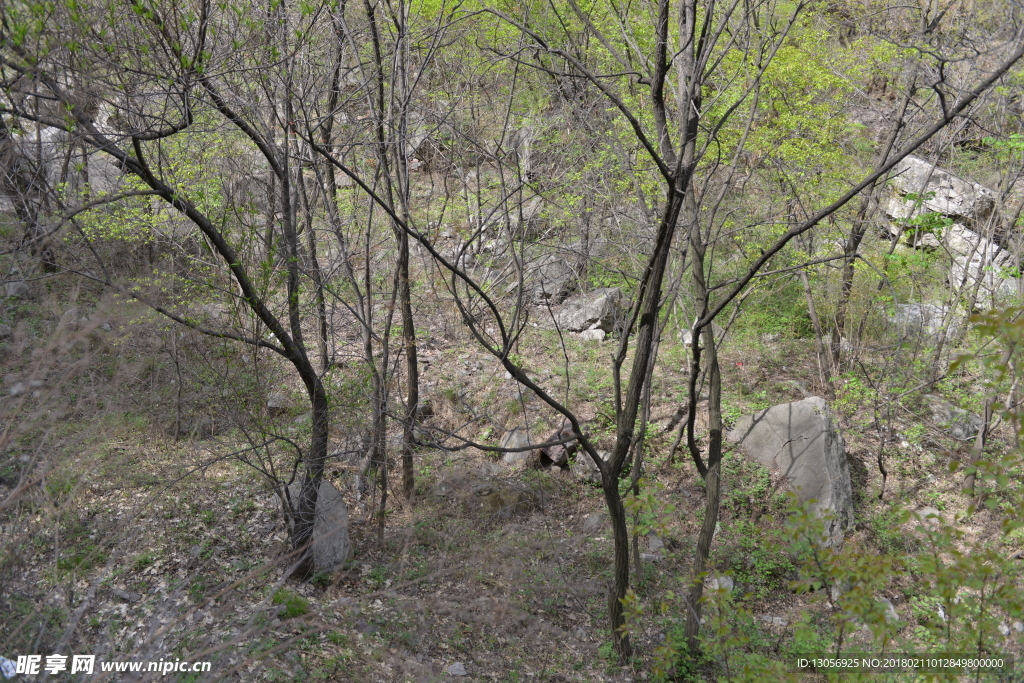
(17, 289)
(595, 522)
(551, 273)
(277, 402)
(961, 424)
(801, 441)
(950, 195)
(918, 319)
(600, 309)
(518, 437)
(584, 468)
(720, 583)
(549, 278)
(976, 260)
(331, 543)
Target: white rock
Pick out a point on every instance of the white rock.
(890, 611)
(724, 583)
(456, 669)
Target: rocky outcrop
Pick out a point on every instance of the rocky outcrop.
(801, 442)
(938, 191)
(600, 309)
(977, 262)
(980, 262)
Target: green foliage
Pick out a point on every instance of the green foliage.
(81, 558)
(59, 486)
(144, 560)
(294, 605)
(651, 514)
(758, 559)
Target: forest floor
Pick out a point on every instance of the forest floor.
(133, 542)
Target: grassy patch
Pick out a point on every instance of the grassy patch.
(294, 605)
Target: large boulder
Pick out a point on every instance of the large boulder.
(551, 273)
(549, 278)
(977, 261)
(519, 437)
(600, 309)
(802, 443)
(915, 320)
(938, 191)
(331, 543)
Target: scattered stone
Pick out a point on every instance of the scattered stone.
(6, 332)
(331, 544)
(599, 309)
(17, 389)
(777, 622)
(724, 583)
(594, 522)
(278, 402)
(127, 596)
(106, 327)
(592, 335)
(961, 424)
(802, 442)
(649, 557)
(1018, 626)
(1004, 629)
(456, 669)
(18, 289)
(655, 544)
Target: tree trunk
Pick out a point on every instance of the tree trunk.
(412, 373)
(712, 493)
(305, 511)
